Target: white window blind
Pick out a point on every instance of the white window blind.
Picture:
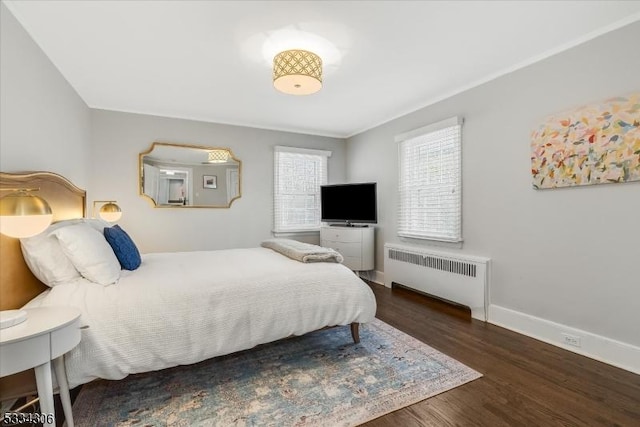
(430, 182)
(299, 173)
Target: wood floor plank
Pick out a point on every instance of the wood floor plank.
(526, 382)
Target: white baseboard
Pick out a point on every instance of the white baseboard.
(607, 350)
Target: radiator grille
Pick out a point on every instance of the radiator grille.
(457, 267)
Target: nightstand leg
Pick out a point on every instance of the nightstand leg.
(63, 385)
(45, 390)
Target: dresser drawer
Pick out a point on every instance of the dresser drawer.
(353, 263)
(341, 234)
(345, 249)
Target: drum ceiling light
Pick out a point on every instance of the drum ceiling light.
(297, 72)
(218, 156)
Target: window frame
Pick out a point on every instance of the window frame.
(448, 234)
(279, 226)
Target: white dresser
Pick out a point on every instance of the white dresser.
(355, 244)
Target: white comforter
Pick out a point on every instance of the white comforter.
(182, 308)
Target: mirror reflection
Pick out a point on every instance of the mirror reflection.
(174, 175)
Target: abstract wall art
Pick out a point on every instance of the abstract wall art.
(593, 144)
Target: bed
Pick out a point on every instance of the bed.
(184, 307)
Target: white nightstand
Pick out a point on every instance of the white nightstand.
(46, 335)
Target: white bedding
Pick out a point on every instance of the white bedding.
(185, 307)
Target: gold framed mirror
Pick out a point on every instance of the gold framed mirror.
(189, 176)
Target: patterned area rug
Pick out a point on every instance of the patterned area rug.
(320, 379)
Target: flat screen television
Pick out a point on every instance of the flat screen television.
(349, 204)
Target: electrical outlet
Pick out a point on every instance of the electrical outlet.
(572, 340)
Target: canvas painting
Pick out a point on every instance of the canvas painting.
(594, 144)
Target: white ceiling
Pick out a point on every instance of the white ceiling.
(209, 60)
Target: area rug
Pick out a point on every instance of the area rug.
(320, 379)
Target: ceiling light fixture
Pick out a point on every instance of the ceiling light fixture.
(297, 72)
(218, 156)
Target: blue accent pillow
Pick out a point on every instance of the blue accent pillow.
(124, 248)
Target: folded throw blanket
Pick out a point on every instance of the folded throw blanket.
(303, 252)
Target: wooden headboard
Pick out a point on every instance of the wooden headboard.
(17, 284)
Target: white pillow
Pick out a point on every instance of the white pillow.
(89, 252)
(45, 258)
(96, 223)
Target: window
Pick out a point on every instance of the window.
(430, 182)
(299, 173)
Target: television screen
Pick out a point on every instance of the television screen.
(349, 203)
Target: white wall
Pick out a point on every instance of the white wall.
(567, 255)
(44, 124)
(116, 140)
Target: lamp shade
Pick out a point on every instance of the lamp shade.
(110, 212)
(297, 72)
(23, 214)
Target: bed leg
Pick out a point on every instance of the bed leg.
(355, 332)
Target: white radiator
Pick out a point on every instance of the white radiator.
(454, 277)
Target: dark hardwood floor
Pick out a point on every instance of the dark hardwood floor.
(526, 382)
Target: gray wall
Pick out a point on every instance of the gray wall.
(210, 196)
(116, 140)
(44, 125)
(567, 255)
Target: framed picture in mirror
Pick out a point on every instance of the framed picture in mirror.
(209, 181)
